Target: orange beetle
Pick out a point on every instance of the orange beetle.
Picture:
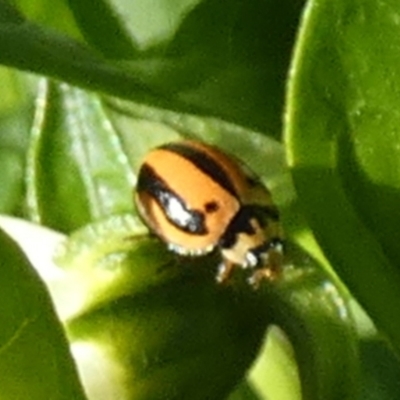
(197, 198)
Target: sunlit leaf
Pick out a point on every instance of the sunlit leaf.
(35, 362)
(75, 160)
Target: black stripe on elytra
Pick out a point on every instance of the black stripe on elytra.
(241, 222)
(204, 163)
(190, 221)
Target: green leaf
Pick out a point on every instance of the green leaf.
(315, 314)
(15, 117)
(10, 180)
(244, 392)
(275, 375)
(9, 14)
(229, 61)
(114, 260)
(103, 29)
(121, 29)
(380, 369)
(43, 51)
(154, 322)
(75, 161)
(155, 301)
(343, 138)
(235, 71)
(54, 15)
(35, 362)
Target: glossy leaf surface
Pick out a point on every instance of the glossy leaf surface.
(342, 136)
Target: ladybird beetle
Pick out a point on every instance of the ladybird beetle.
(196, 198)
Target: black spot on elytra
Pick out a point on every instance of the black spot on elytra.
(211, 207)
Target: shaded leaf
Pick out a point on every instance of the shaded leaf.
(315, 314)
(342, 137)
(121, 29)
(54, 15)
(160, 318)
(223, 77)
(229, 61)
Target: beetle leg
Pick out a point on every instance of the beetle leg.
(225, 271)
(271, 271)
